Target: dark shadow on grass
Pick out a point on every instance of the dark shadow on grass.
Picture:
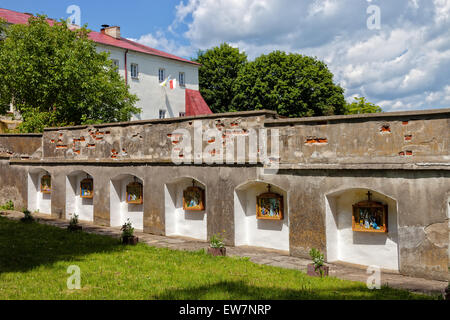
(238, 290)
(24, 246)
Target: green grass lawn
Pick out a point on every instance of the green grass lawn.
(34, 259)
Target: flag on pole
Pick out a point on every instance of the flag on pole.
(171, 82)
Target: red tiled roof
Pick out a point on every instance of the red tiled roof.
(14, 17)
(195, 104)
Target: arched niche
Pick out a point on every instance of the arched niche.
(79, 199)
(123, 204)
(253, 231)
(39, 191)
(360, 247)
(188, 220)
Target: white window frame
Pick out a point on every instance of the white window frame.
(134, 76)
(182, 79)
(161, 75)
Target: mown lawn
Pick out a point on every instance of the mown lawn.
(34, 259)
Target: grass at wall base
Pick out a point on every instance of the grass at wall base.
(34, 259)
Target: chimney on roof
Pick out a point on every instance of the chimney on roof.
(111, 31)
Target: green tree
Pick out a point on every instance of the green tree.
(4, 106)
(291, 84)
(360, 106)
(55, 77)
(219, 70)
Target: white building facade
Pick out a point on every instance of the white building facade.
(144, 69)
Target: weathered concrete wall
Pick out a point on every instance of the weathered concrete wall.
(403, 138)
(145, 140)
(13, 184)
(421, 209)
(403, 156)
(13, 180)
(220, 182)
(19, 145)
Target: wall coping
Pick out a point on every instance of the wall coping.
(171, 120)
(37, 135)
(277, 119)
(364, 117)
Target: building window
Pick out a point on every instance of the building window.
(162, 114)
(161, 75)
(182, 114)
(182, 79)
(134, 71)
(116, 64)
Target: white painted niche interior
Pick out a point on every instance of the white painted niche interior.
(38, 201)
(249, 231)
(362, 248)
(191, 224)
(83, 207)
(120, 210)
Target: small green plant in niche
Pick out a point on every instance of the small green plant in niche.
(73, 224)
(127, 236)
(217, 245)
(27, 216)
(318, 267)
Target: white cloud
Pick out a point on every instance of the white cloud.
(401, 66)
(160, 42)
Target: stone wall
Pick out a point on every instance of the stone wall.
(401, 156)
(13, 179)
(387, 138)
(19, 145)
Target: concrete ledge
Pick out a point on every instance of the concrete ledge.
(403, 115)
(299, 166)
(172, 120)
(367, 166)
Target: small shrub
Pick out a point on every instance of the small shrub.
(127, 230)
(216, 241)
(74, 220)
(9, 206)
(318, 260)
(27, 216)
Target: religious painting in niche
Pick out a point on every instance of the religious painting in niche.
(269, 206)
(87, 189)
(46, 184)
(370, 216)
(194, 199)
(135, 193)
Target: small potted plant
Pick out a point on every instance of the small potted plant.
(73, 224)
(28, 218)
(317, 268)
(128, 234)
(216, 246)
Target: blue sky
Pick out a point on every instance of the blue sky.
(403, 64)
(136, 17)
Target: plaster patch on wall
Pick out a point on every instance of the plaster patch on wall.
(437, 234)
